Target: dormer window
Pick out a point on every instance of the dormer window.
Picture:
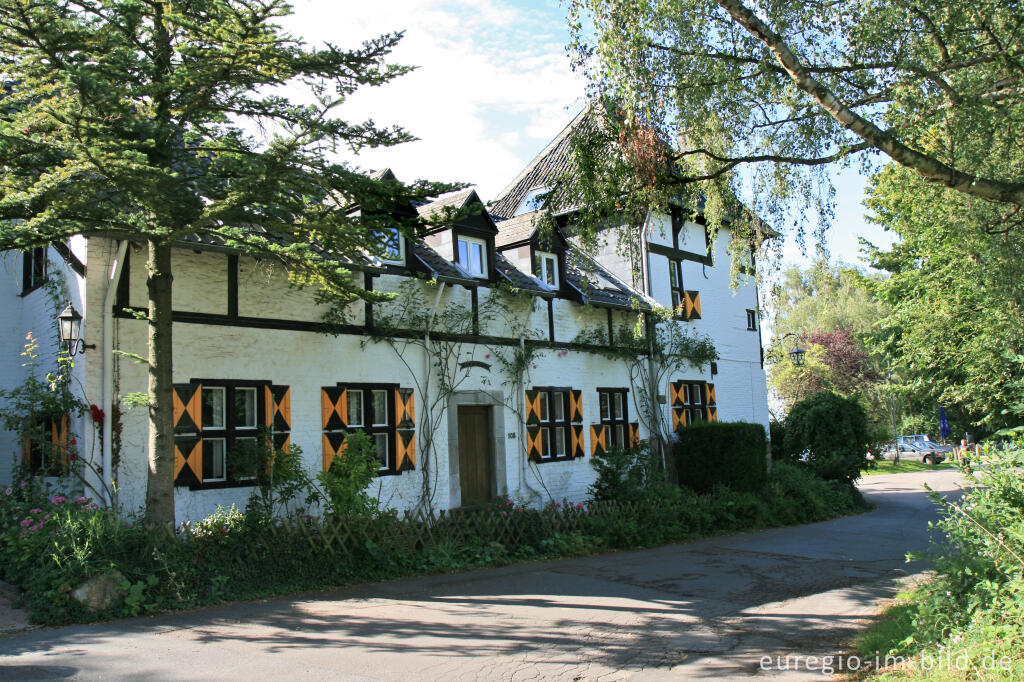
(533, 200)
(472, 255)
(547, 268)
(394, 246)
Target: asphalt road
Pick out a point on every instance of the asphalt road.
(710, 608)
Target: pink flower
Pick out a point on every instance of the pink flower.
(23, 484)
(579, 506)
(487, 356)
(81, 500)
(57, 499)
(35, 511)
(504, 513)
(33, 528)
(558, 505)
(8, 491)
(25, 522)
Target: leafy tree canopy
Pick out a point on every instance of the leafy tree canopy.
(955, 298)
(792, 87)
(160, 119)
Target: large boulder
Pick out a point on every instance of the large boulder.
(100, 592)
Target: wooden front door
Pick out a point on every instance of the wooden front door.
(475, 471)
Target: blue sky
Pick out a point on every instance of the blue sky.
(492, 87)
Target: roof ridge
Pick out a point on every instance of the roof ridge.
(544, 152)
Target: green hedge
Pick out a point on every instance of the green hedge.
(733, 454)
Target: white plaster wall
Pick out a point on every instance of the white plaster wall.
(35, 313)
(307, 361)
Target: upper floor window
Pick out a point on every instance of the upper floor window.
(394, 247)
(533, 200)
(675, 282)
(547, 268)
(33, 272)
(752, 320)
(472, 255)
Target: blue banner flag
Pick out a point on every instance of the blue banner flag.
(943, 424)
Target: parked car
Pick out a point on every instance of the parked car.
(927, 452)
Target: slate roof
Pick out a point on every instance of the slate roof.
(456, 200)
(553, 161)
(520, 279)
(208, 242)
(442, 269)
(616, 294)
(516, 229)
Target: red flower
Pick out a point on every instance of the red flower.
(74, 441)
(72, 456)
(97, 413)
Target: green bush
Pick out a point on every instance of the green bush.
(831, 432)
(625, 475)
(733, 454)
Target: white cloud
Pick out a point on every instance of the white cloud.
(492, 86)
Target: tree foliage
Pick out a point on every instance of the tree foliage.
(955, 296)
(832, 431)
(156, 120)
(792, 87)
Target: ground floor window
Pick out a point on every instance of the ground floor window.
(615, 415)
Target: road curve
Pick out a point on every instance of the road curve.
(710, 608)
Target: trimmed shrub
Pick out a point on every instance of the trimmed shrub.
(732, 454)
(832, 432)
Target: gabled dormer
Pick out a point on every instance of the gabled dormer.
(534, 251)
(468, 238)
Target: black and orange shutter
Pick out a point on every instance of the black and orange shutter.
(691, 304)
(188, 430)
(278, 406)
(333, 408)
(532, 408)
(577, 449)
(679, 418)
(598, 439)
(405, 429)
(711, 401)
(188, 460)
(188, 408)
(634, 434)
(334, 446)
(675, 392)
(534, 443)
(576, 407)
(59, 442)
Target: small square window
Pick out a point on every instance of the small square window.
(355, 408)
(686, 394)
(33, 269)
(752, 320)
(545, 442)
(560, 441)
(618, 406)
(605, 414)
(472, 255)
(213, 408)
(544, 406)
(394, 246)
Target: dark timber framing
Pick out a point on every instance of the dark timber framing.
(123, 310)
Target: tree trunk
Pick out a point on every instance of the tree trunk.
(160, 488)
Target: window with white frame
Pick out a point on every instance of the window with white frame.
(554, 423)
(369, 408)
(230, 423)
(615, 414)
(547, 268)
(472, 255)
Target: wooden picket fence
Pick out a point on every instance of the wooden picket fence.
(416, 531)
